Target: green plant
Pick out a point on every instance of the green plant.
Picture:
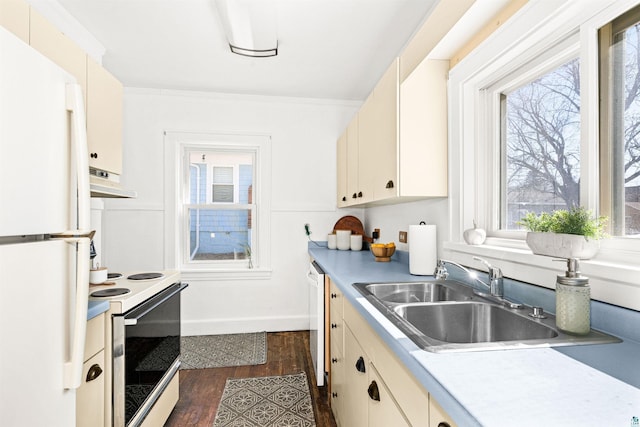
(577, 220)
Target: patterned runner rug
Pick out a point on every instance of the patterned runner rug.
(215, 351)
(280, 401)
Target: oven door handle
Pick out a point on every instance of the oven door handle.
(136, 314)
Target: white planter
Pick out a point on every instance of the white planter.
(562, 245)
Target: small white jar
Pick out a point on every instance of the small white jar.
(332, 241)
(356, 242)
(343, 239)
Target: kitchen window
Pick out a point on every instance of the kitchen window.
(543, 41)
(540, 144)
(221, 204)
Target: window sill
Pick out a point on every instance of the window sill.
(196, 275)
(614, 282)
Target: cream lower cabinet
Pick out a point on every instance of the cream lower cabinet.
(367, 400)
(90, 396)
(369, 385)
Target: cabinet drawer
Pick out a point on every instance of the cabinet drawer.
(336, 383)
(95, 336)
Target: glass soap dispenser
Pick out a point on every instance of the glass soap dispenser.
(573, 300)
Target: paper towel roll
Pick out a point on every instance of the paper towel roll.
(422, 249)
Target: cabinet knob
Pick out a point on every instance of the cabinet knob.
(333, 326)
(93, 155)
(373, 391)
(360, 365)
(444, 424)
(359, 193)
(94, 372)
(344, 198)
(334, 360)
(389, 184)
(334, 394)
(334, 296)
(355, 196)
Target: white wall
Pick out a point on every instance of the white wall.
(303, 134)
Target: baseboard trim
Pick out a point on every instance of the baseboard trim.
(244, 325)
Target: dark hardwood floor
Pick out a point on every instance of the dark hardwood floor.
(201, 389)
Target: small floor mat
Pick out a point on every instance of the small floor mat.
(215, 351)
(278, 401)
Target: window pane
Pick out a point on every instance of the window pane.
(541, 145)
(219, 234)
(625, 132)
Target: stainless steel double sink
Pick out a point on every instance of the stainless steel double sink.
(447, 316)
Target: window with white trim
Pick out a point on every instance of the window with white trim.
(218, 204)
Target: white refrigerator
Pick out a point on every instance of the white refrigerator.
(44, 238)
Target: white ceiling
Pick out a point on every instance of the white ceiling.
(334, 49)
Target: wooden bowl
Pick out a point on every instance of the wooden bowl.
(382, 254)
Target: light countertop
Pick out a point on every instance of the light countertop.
(521, 387)
(96, 308)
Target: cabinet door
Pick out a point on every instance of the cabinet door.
(353, 139)
(383, 409)
(104, 119)
(437, 416)
(368, 117)
(355, 399)
(341, 166)
(90, 396)
(385, 140)
(423, 131)
(336, 384)
(14, 16)
(52, 43)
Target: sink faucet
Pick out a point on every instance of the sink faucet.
(495, 285)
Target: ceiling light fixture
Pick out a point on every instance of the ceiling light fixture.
(250, 26)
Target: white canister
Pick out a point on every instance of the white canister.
(343, 239)
(98, 276)
(332, 241)
(356, 242)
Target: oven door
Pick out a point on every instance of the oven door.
(146, 350)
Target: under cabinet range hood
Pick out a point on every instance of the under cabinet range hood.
(104, 184)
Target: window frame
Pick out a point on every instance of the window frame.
(177, 199)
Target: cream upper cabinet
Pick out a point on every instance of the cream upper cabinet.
(385, 143)
(353, 132)
(367, 117)
(402, 138)
(52, 43)
(341, 169)
(14, 16)
(104, 119)
(423, 155)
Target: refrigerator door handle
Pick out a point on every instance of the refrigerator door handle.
(79, 149)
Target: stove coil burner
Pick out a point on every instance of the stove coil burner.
(111, 292)
(145, 276)
(114, 276)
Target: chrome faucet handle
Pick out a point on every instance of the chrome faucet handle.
(495, 277)
(440, 272)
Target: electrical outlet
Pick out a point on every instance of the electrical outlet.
(402, 237)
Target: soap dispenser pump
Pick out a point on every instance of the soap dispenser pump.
(573, 300)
